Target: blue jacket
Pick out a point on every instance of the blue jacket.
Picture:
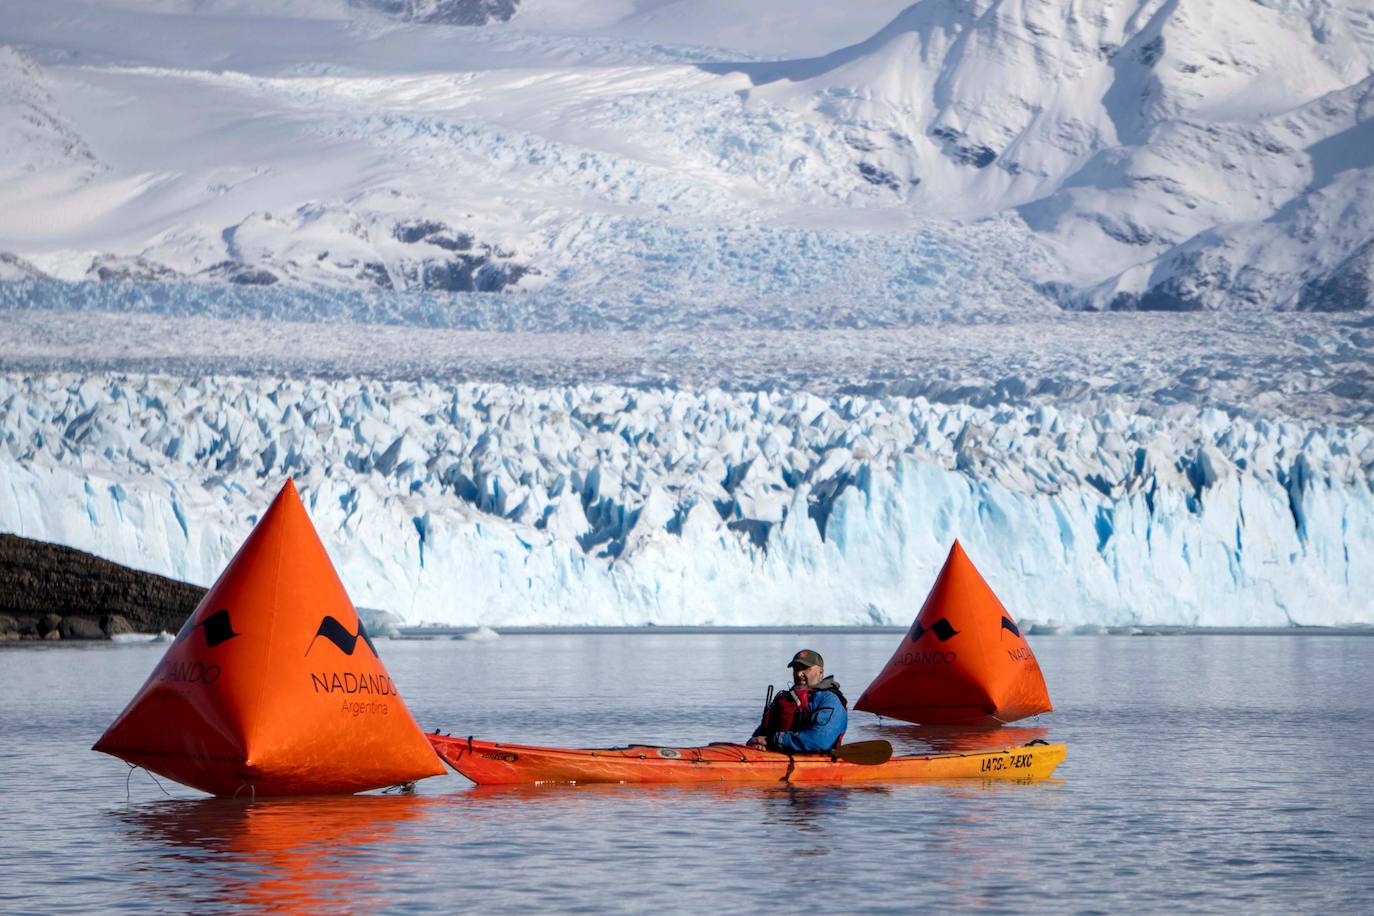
(817, 728)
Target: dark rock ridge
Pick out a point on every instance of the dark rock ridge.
(1348, 288)
(468, 267)
(108, 268)
(48, 591)
(955, 146)
(438, 259)
(878, 176)
(13, 267)
(445, 12)
(242, 274)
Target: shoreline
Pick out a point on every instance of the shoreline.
(53, 593)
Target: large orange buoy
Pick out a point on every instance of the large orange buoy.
(273, 686)
(964, 661)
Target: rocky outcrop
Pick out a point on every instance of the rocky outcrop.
(1348, 288)
(114, 268)
(467, 267)
(445, 12)
(48, 591)
(242, 274)
(13, 267)
(80, 628)
(116, 625)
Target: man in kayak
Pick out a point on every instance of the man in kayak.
(808, 719)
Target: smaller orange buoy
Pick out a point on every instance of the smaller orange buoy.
(964, 660)
(273, 686)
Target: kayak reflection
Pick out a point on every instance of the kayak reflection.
(297, 853)
(959, 739)
(810, 805)
(807, 805)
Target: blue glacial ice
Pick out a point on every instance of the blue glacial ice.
(497, 505)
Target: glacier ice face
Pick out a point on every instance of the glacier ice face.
(489, 504)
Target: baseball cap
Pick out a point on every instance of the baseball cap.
(805, 659)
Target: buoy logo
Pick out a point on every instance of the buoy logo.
(942, 628)
(339, 635)
(217, 629)
(1007, 624)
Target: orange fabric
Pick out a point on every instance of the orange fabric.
(273, 687)
(964, 660)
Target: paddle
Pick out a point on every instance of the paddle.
(869, 753)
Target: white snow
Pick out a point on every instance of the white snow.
(674, 311)
(1171, 155)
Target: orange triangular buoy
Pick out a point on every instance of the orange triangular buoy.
(964, 661)
(273, 686)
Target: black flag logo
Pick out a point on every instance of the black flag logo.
(338, 634)
(942, 629)
(216, 627)
(1008, 625)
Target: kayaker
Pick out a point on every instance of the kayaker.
(808, 719)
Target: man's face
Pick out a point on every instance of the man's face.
(807, 677)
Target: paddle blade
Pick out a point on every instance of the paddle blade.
(869, 753)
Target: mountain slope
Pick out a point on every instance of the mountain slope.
(1167, 154)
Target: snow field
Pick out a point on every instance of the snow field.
(1207, 154)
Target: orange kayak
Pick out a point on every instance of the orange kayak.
(489, 763)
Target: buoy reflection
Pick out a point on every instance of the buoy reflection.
(305, 854)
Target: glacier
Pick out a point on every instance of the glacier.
(700, 312)
(486, 504)
(1153, 154)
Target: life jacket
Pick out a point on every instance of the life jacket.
(782, 713)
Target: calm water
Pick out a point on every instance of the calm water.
(1204, 773)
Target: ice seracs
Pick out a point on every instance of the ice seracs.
(486, 504)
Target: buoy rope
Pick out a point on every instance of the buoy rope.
(130, 775)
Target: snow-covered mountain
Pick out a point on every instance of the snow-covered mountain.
(1160, 154)
(701, 311)
(500, 505)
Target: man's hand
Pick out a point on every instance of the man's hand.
(758, 741)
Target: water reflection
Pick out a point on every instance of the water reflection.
(960, 739)
(789, 804)
(303, 854)
(808, 806)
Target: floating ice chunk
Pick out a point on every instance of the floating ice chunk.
(481, 634)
